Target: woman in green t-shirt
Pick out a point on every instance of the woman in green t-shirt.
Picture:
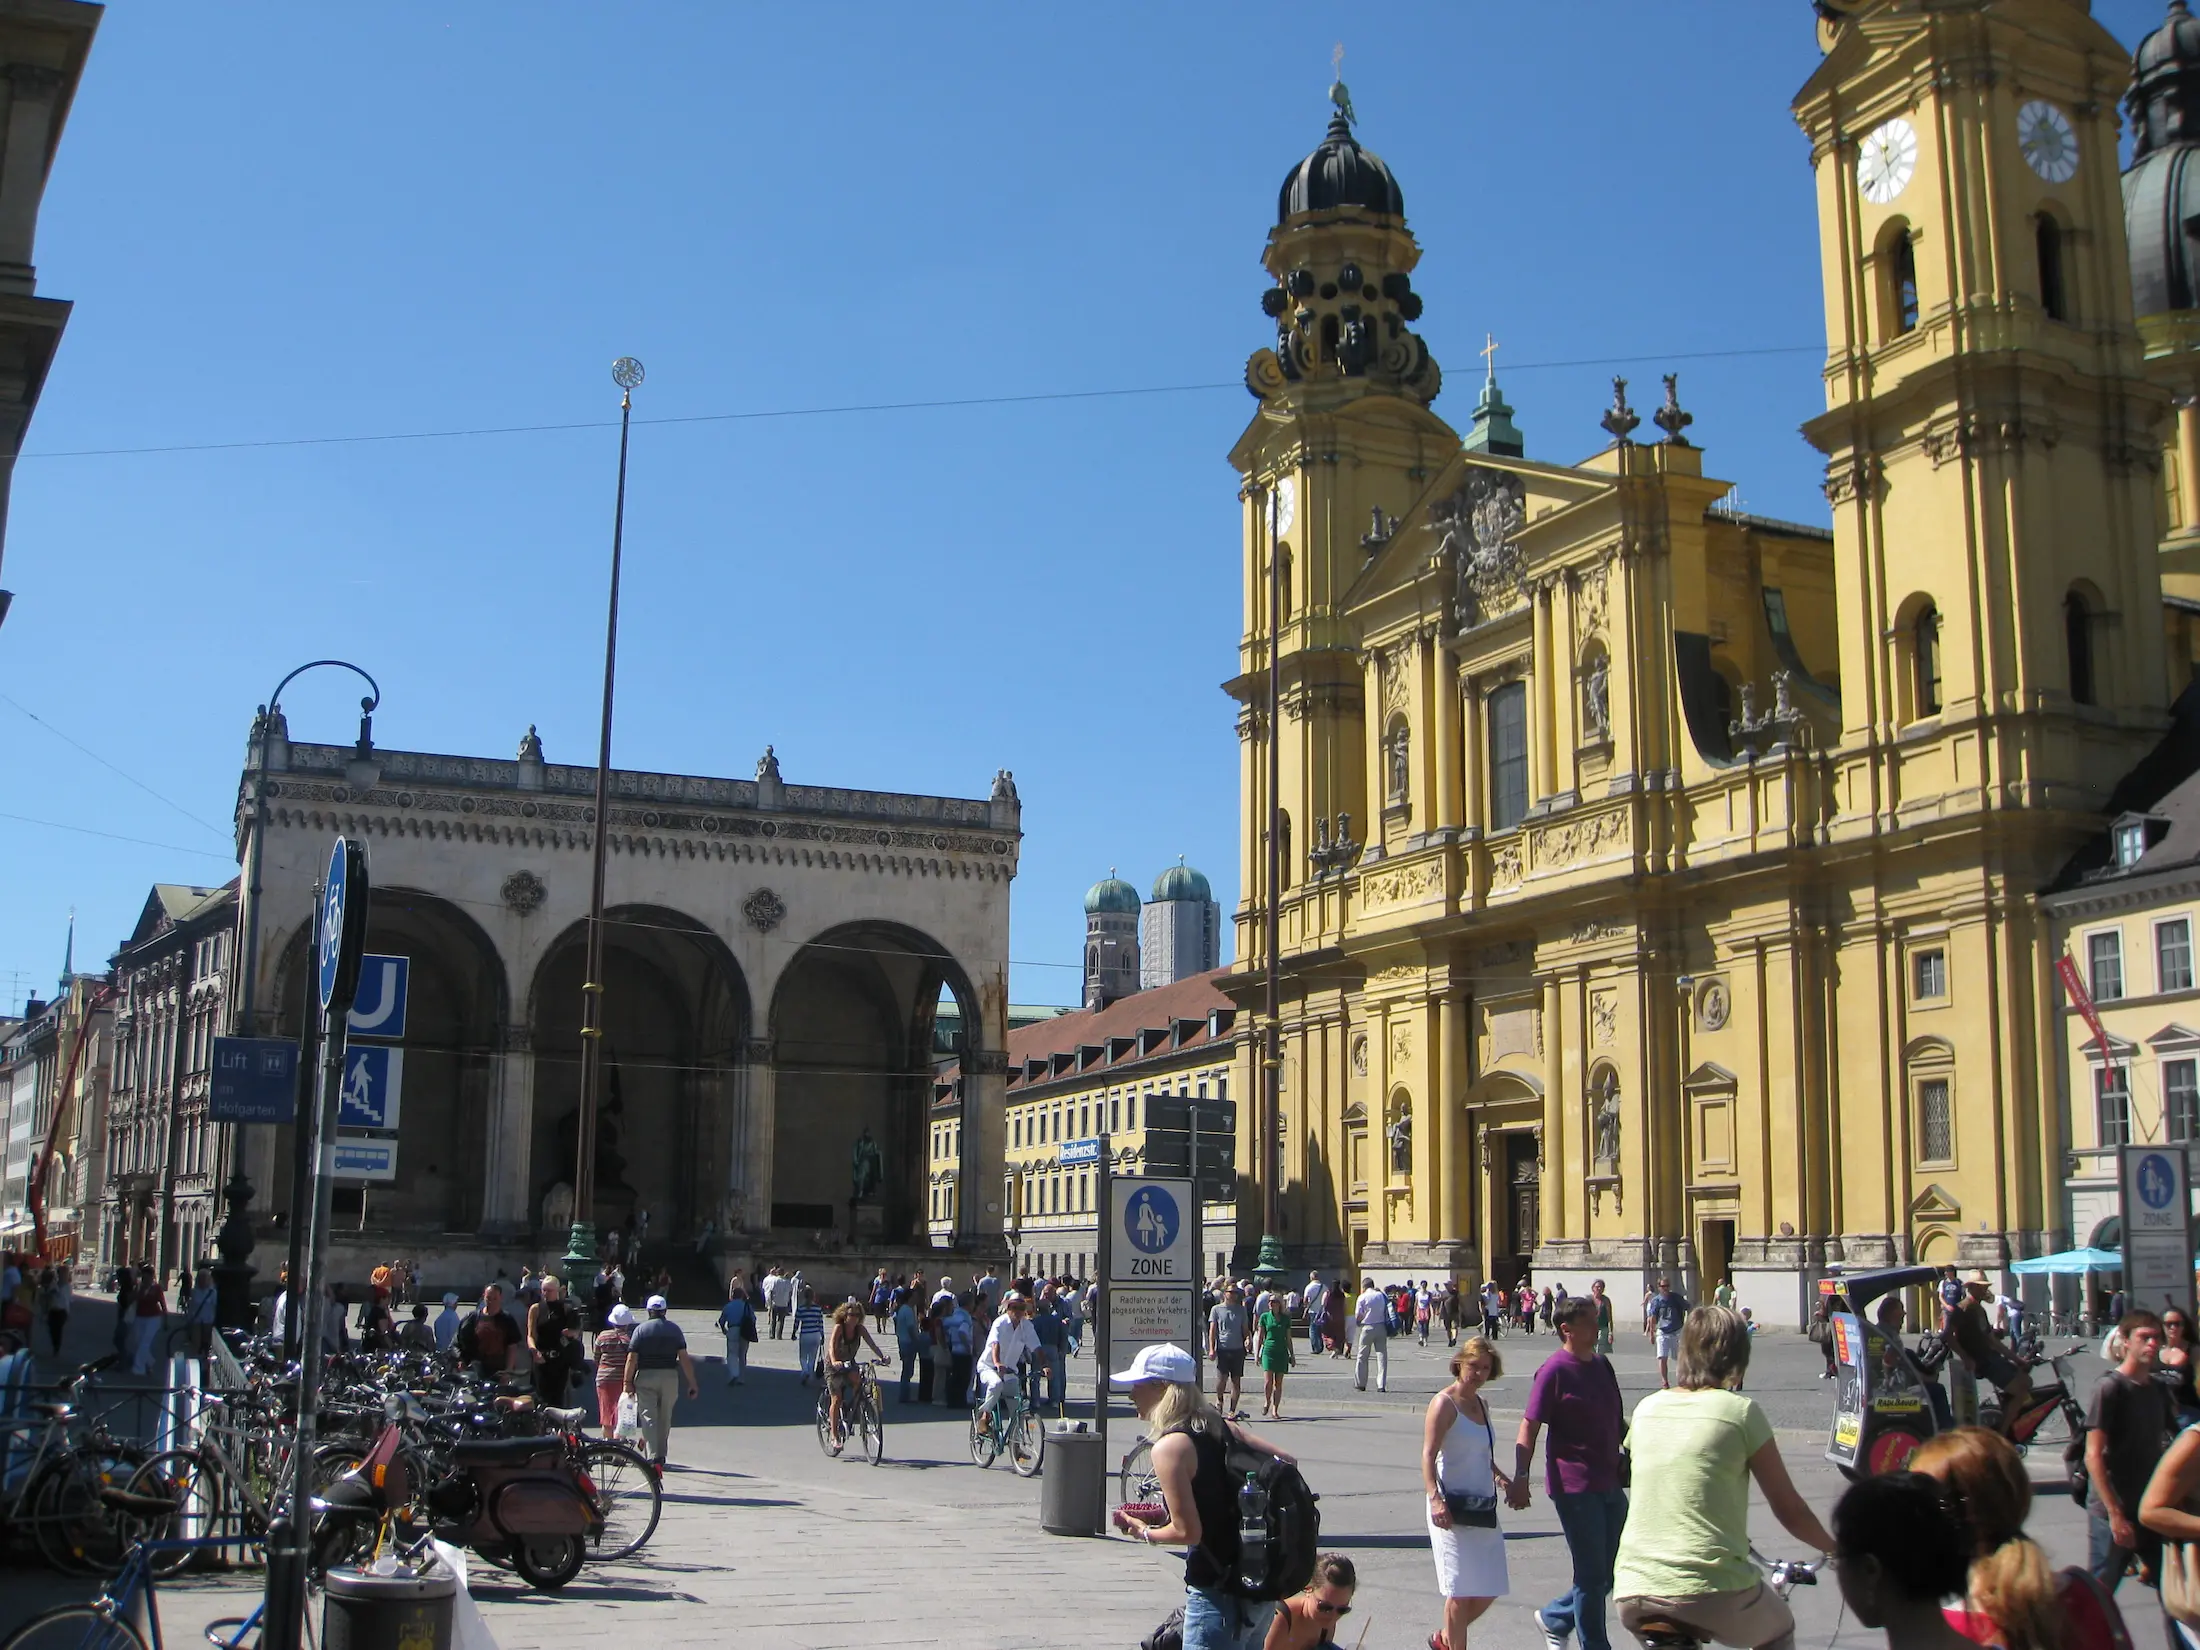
(1694, 1448)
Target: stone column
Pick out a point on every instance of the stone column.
(1544, 662)
(32, 91)
(2188, 463)
(1432, 1199)
(1447, 1096)
(507, 1161)
(1472, 808)
(755, 1109)
(1444, 729)
(979, 1221)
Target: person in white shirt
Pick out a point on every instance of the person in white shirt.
(1372, 1314)
(1007, 1344)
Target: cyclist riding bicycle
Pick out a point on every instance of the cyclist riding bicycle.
(1010, 1341)
(843, 1359)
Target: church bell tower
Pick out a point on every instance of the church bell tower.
(1340, 446)
(1990, 435)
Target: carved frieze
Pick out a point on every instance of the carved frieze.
(1505, 864)
(1597, 928)
(765, 910)
(1401, 1043)
(1396, 887)
(1603, 1018)
(1578, 839)
(523, 893)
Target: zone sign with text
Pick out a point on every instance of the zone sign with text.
(1152, 1238)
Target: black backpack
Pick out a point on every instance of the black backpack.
(1277, 1560)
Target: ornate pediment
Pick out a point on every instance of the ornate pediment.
(1935, 1202)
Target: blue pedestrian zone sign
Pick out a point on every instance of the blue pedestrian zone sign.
(2156, 1181)
(1150, 1221)
(379, 1008)
(373, 1078)
(254, 1080)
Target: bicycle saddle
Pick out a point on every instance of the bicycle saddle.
(567, 1420)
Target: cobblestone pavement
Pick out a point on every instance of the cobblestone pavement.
(767, 1543)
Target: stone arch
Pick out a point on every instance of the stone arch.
(676, 1028)
(852, 1055)
(458, 1002)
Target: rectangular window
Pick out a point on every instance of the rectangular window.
(2181, 1099)
(1508, 708)
(1936, 1130)
(2173, 955)
(2112, 1105)
(1929, 972)
(1133, 1118)
(1115, 1116)
(2105, 963)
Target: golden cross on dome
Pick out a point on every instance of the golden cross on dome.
(1489, 354)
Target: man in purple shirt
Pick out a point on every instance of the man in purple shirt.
(1576, 1395)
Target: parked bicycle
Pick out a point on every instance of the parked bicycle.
(57, 1500)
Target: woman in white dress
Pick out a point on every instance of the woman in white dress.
(1459, 1470)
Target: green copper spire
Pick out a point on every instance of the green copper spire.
(1493, 430)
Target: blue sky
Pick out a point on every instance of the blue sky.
(282, 221)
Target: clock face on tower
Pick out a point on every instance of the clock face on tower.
(2048, 141)
(1886, 161)
(1286, 510)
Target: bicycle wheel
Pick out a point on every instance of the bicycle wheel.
(1027, 1443)
(74, 1627)
(871, 1428)
(76, 1530)
(985, 1444)
(180, 1478)
(1135, 1480)
(825, 1424)
(630, 1493)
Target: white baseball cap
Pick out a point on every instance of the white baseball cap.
(655, 1303)
(1159, 1363)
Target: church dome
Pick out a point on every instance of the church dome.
(2164, 100)
(1111, 894)
(1180, 881)
(1339, 173)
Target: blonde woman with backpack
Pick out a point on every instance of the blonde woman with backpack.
(1199, 1498)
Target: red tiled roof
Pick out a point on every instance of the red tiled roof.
(1195, 997)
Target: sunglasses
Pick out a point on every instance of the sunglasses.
(1328, 1609)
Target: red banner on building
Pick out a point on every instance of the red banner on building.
(2073, 984)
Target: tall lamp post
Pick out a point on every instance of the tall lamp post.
(580, 1248)
(233, 1307)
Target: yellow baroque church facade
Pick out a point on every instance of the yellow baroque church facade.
(1658, 886)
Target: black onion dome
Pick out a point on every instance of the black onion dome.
(1339, 173)
(2164, 100)
(2161, 202)
(2162, 188)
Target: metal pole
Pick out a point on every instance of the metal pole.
(580, 1249)
(1103, 1354)
(287, 1541)
(233, 1277)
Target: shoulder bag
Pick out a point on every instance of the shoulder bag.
(1476, 1512)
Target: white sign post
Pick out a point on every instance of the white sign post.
(1153, 1267)
(2157, 1220)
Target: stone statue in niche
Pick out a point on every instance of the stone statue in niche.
(1401, 764)
(866, 1169)
(1400, 1135)
(557, 1207)
(1605, 1120)
(1596, 697)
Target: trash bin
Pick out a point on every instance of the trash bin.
(388, 1612)
(1073, 1497)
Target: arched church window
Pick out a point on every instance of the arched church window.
(2078, 642)
(2048, 238)
(1925, 659)
(1898, 257)
(1283, 842)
